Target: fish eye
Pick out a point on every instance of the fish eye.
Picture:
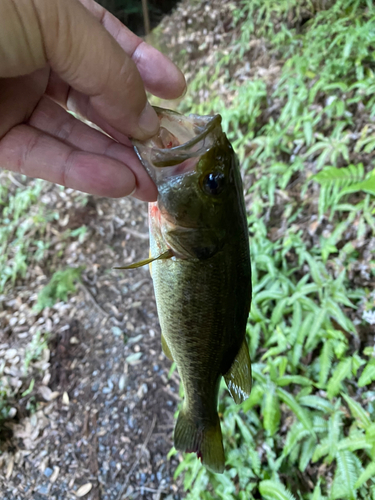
(213, 183)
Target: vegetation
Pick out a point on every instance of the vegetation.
(26, 240)
(60, 285)
(305, 135)
(22, 226)
(307, 146)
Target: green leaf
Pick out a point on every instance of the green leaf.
(297, 350)
(273, 490)
(353, 443)
(299, 412)
(314, 332)
(295, 434)
(368, 374)
(368, 473)
(292, 379)
(256, 396)
(278, 311)
(271, 411)
(358, 411)
(345, 477)
(342, 370)
(307, 451)
(325, 362)
(317, 494)
(317, 402)
(322, 449)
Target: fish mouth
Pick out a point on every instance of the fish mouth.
(179, 144)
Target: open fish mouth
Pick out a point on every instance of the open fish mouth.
(179, 144)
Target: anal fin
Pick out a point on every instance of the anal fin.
(238, 377)
(165, 348)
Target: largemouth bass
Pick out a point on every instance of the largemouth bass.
(199, 249)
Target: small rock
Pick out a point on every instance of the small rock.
(48, 472)
(83, 490)
(45, 392)
(122, 382)
(43, 489)
(133, 359)
(10, 353)
(117, 332)
(65, 399)
(55, 474)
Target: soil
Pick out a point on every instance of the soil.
(100, 415)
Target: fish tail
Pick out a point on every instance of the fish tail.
(203, 439)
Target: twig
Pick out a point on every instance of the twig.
(137, 460)
(92, 298)
(146, 17)
(15, 181)
(133, 232)
(159, 491)
(152, 490)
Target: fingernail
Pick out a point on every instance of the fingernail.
(149, 121)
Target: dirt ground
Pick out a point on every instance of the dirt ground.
(98, 422)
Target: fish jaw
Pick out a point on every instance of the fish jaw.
(178, 146)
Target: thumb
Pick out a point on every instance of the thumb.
(66, 36)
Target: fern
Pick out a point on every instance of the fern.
(345, 477)
(337, 182)
(317, 494)
(297, 409)
(317, 402)
(273, 490)
(358, 412)
(307, 451)
(368, 473)
(368, 374)
(271, 411)
(342, 370)
(325, 362)
(296, 434)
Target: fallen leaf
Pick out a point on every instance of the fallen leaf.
(10, 467)
(65, 399)
(133, 359)
(83, 490)
(54, 474)
(45, 392)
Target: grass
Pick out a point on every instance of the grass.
(308, 429)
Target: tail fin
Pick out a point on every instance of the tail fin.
(206, 441)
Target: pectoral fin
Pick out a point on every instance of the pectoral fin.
(150, 264)
(238, 377)
(166, 255)
(165, 348)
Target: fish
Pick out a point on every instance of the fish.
(201, 271)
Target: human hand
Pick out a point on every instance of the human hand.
(60, 55)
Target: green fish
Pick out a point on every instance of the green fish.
(199, 249)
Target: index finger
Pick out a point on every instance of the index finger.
(88, 58)
(160, 76)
